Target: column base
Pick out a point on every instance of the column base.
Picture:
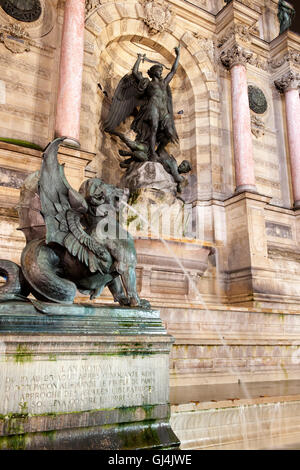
(71, 142)
(297, 204)
(251, 188)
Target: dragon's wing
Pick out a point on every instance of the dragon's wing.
(129, 94)
(62, 207)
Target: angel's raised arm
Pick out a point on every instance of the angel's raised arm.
(174, 67)
(135, 70)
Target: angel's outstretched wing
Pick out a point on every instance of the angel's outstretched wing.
(129, 94)
(62, 208)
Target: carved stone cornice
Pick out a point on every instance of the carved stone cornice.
(292, 57)
(289, 81)
(237, 32)
(236, 55)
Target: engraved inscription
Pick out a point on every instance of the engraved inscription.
(50, 386)
(278, 230)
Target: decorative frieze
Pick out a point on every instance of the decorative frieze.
(291, 57)
(238, 32)
(278, 230)
(236, 55)
(289, 81)
(158, 15)
(259, 62)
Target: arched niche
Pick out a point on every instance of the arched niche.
(112, 43)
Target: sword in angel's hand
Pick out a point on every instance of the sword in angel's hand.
(145, 59)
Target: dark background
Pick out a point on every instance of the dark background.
(296, 23)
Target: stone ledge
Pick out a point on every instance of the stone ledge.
(46, 318)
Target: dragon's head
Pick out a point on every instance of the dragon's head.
(97, 194)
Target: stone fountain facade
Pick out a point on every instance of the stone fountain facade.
(228, 289)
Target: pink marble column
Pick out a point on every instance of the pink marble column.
(289, 84)
(292, 103)
(235, 59)
(70, 73)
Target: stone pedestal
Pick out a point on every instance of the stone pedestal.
(83, 377)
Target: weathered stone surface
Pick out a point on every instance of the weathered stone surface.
(150, 175)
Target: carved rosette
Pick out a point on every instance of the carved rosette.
(289, 81)
(15, 38)
(158, 15)
(257, 126)
(236, 55)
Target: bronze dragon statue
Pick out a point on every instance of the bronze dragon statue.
(69, 246)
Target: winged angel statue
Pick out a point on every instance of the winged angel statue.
(65, 249)
(153, 122)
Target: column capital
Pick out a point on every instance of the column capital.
(289, 81)
(235, 55)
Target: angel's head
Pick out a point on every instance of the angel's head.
(155, 71)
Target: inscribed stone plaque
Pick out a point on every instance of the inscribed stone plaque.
(45, 386)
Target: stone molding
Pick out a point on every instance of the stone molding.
(289, 81)
(236, 55)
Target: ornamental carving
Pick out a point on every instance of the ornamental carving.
(289, 81)
(91, 5)
(257, 126)
(23, 10)
(158, 15)
(239, 32)
(257, 100)
(15, 38)
(291, 57)
(234, 56)
(259, 62)
(207, 45)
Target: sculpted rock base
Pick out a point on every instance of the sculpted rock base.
(153, 208)
(148, 175)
